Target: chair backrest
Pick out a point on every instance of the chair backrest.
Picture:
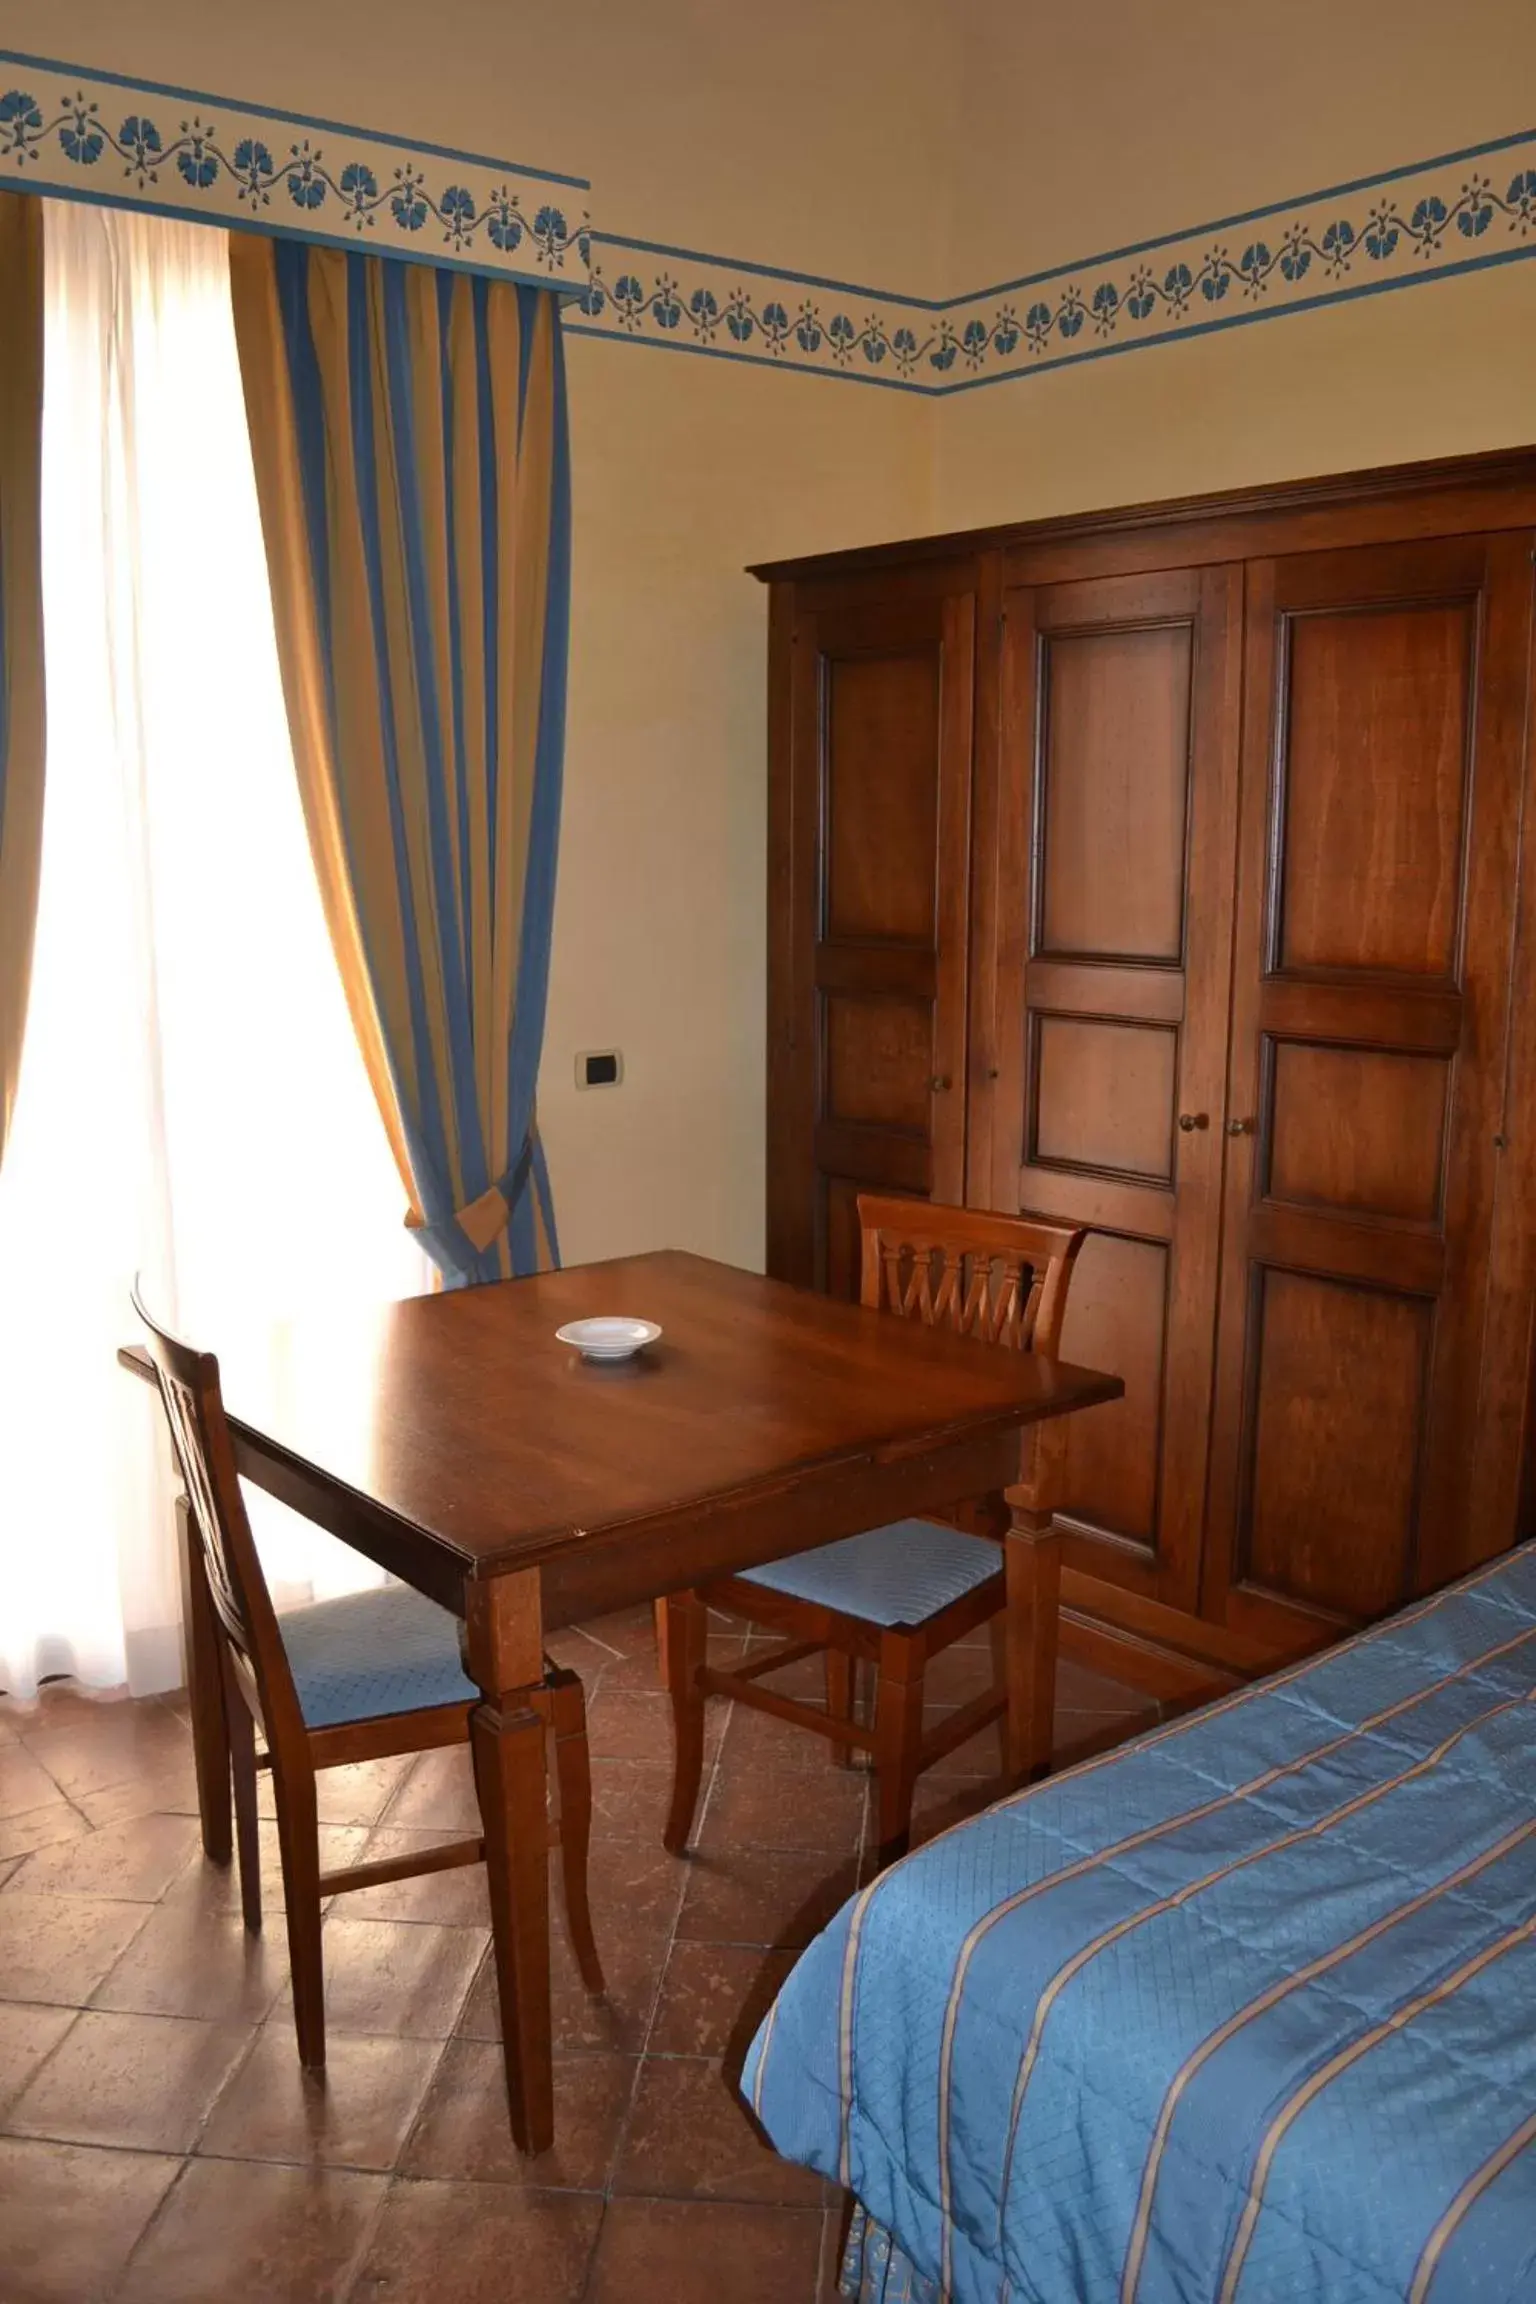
(205, 1457)
(1001, 1279)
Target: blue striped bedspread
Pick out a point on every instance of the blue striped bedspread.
(1244, 2011)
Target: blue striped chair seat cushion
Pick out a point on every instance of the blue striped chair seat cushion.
(900, 1574)
(369, 1653)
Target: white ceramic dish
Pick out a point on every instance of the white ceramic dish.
(608, 1339)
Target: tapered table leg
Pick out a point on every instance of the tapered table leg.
(505, 1657)
(1032, 1551)
(205, 1690)
(686, 1646)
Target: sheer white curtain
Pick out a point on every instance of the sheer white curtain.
(192, 1102)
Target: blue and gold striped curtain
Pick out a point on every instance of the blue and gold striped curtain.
(21, 620)
(412, 460)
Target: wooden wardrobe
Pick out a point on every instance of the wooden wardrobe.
(1173, 871)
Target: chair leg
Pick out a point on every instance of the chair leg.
(204, 1640)
(898, 1738)
(663, 1672)
(998, 1629)
(242, 1761)
(687, 1628)
(839, 1668)
(298, 1834)
(1032, 1554)
(573, 1783)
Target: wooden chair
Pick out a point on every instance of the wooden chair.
(895, 1596)
(360, 1678)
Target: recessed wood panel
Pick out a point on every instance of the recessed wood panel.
(882, 797)
(1116, 1319)
(1358, 1130)
(879, 1059)
(1375, 772)
(1116, 776)
(1339, 1373)
(1104, 1095)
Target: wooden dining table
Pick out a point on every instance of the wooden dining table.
(453, 1440)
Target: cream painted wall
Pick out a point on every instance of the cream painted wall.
(794, 135)
(1110, 121)
(1440, 369)
(925, 151)
(1091, 127)
(809, 133)
(685, 470)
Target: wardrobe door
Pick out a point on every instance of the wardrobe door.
(1384, 723)
(1110, 922)
(869, 1090)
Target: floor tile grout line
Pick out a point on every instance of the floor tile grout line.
(9, 2104)
(155, 2218)
(48, 1808)
(622, 2129)
(67, 1797)
(382, 1818)
(155, 2150)
(347, 2287)
(439, 2061)
(605, 2202)
(386, 2180)
(685, 1875)
(102, 1895)
(622, 2126)
(73, 2144)
(393, 2175)
(83, 2007)
(616, 1653)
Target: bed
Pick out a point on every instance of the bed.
(1243, 2011)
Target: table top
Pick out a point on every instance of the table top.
(461, 1416)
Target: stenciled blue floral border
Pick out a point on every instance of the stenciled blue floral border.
(140, 144)
(1440, 217)
(137, 143)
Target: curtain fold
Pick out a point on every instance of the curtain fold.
(192, 1105)
(21, 622)
(412, 460)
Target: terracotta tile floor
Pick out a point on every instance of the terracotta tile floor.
(159, 2144)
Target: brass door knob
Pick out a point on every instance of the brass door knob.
(939, 1082)
(1239, 1127)
(1190, 1121)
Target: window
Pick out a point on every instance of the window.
(192, 1103)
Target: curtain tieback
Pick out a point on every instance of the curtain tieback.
(483, 1220)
